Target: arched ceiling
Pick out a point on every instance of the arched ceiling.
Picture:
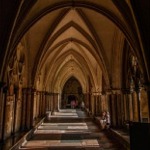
(72, 38)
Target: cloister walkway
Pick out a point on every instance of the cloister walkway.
(70, 129)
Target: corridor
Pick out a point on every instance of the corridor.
(70, 129)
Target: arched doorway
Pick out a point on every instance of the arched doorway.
(72, 91)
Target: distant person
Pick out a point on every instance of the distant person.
(82, 105)
(73, 103)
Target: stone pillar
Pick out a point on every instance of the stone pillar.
(119, 115)
(44, 103)
(55, 100)
(98, 105)
(130, 101)
(113, 110)
(38, 104)
(138, 91)
(41, 104)
(49, 102)
(135, 110)
(9, 116)
(94, 105)
(29, 110)
(125, 107)
(86, 95)
(17, 109)
(122, 109)
(148, 93)
(34, 105)
(24, 109)
(2, 108)
(147, 88)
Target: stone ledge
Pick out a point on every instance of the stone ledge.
(122, 137)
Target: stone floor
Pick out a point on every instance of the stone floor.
(70, 129)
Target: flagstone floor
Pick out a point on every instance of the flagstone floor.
(70, 129)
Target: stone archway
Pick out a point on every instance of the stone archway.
(72, 91)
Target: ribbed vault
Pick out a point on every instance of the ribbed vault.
(73, 38)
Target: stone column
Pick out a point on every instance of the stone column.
(98, 105)
(147, 88)
(41, 104)
(49, 102)
(122, 109)
(86, 99)
(124, 104)
(135, 110)
(29, 110)
(17, 109)
(130, 101)
(94, 105)
(44, 103)
(55, 100)
(24, 109)
(113, 110)
(2, 108)
(34, 105)
(9, 116)
(38, 104)
(118, 110)
(138, 91)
